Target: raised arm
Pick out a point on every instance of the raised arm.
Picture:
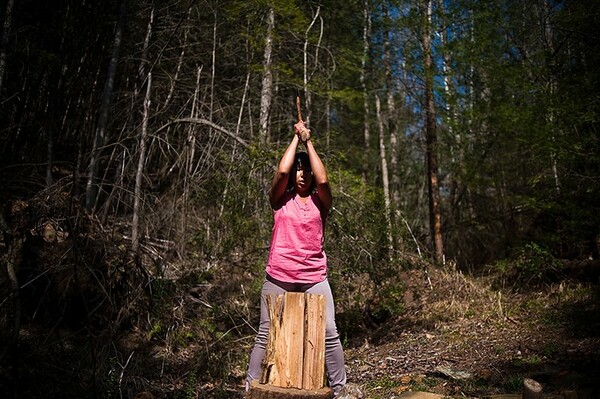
(317, 166)
(285, 167)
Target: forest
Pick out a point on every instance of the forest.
(138, 140)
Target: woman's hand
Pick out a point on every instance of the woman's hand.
(302, 132)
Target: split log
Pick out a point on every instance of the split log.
(294, 362)
(314, 343)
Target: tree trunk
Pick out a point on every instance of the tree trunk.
(384, 174)
(551, 113)
(178, 68)
(144, 58)
(435, 214)
(137, 196)
(363, 81)
(5, 35)
(91, 197)
(266, 95)
(391, 116)
(456, 140)
(307, 96)
(213, 67)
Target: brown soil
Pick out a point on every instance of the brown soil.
(461, 338)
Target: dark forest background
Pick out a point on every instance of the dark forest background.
(138, 140)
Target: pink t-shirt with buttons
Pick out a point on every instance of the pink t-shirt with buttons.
(296, 253)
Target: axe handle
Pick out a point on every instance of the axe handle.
(298, 109)
(304, 134)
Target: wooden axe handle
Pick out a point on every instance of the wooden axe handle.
(304, 134)
(298, 109)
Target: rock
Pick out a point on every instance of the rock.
(454, 374)
(351, 391)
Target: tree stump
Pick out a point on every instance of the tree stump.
(531, 389)
(294, 362)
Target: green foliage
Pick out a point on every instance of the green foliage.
(190, 386)
(387, 301)
(531, 265)
(514, 383)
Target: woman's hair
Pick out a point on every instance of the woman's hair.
(301, 160)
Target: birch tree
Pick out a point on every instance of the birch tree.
(137, 193)
(305, 77)
(363, 82)
(392, 116)
(266, 94)
(384, 175)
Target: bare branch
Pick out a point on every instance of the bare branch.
(202, 121)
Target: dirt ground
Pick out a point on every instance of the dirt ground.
(462, 338)
(466, 337)
(458, 336)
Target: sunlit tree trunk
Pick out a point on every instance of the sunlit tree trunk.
(392, 118)
(384, 174)
(142, 70)
(213, 67)
(363, 82)
(189, 162)
(307, 95)
(551, 114)
(91, 197)
(137, 194)
(435, 214)
(455, 136)
(266, 95)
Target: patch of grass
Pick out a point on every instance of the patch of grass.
(190, 386)
(551, 349)
(474, 386)
(156, 330)
(182, 337)
(424, 385)
(532, 360)
(385, 382)
(381, 388)
(514, 383)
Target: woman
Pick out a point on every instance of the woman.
(300, 197)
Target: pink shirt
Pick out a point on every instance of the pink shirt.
(296, 253)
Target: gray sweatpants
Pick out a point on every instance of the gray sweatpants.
(334, 355)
